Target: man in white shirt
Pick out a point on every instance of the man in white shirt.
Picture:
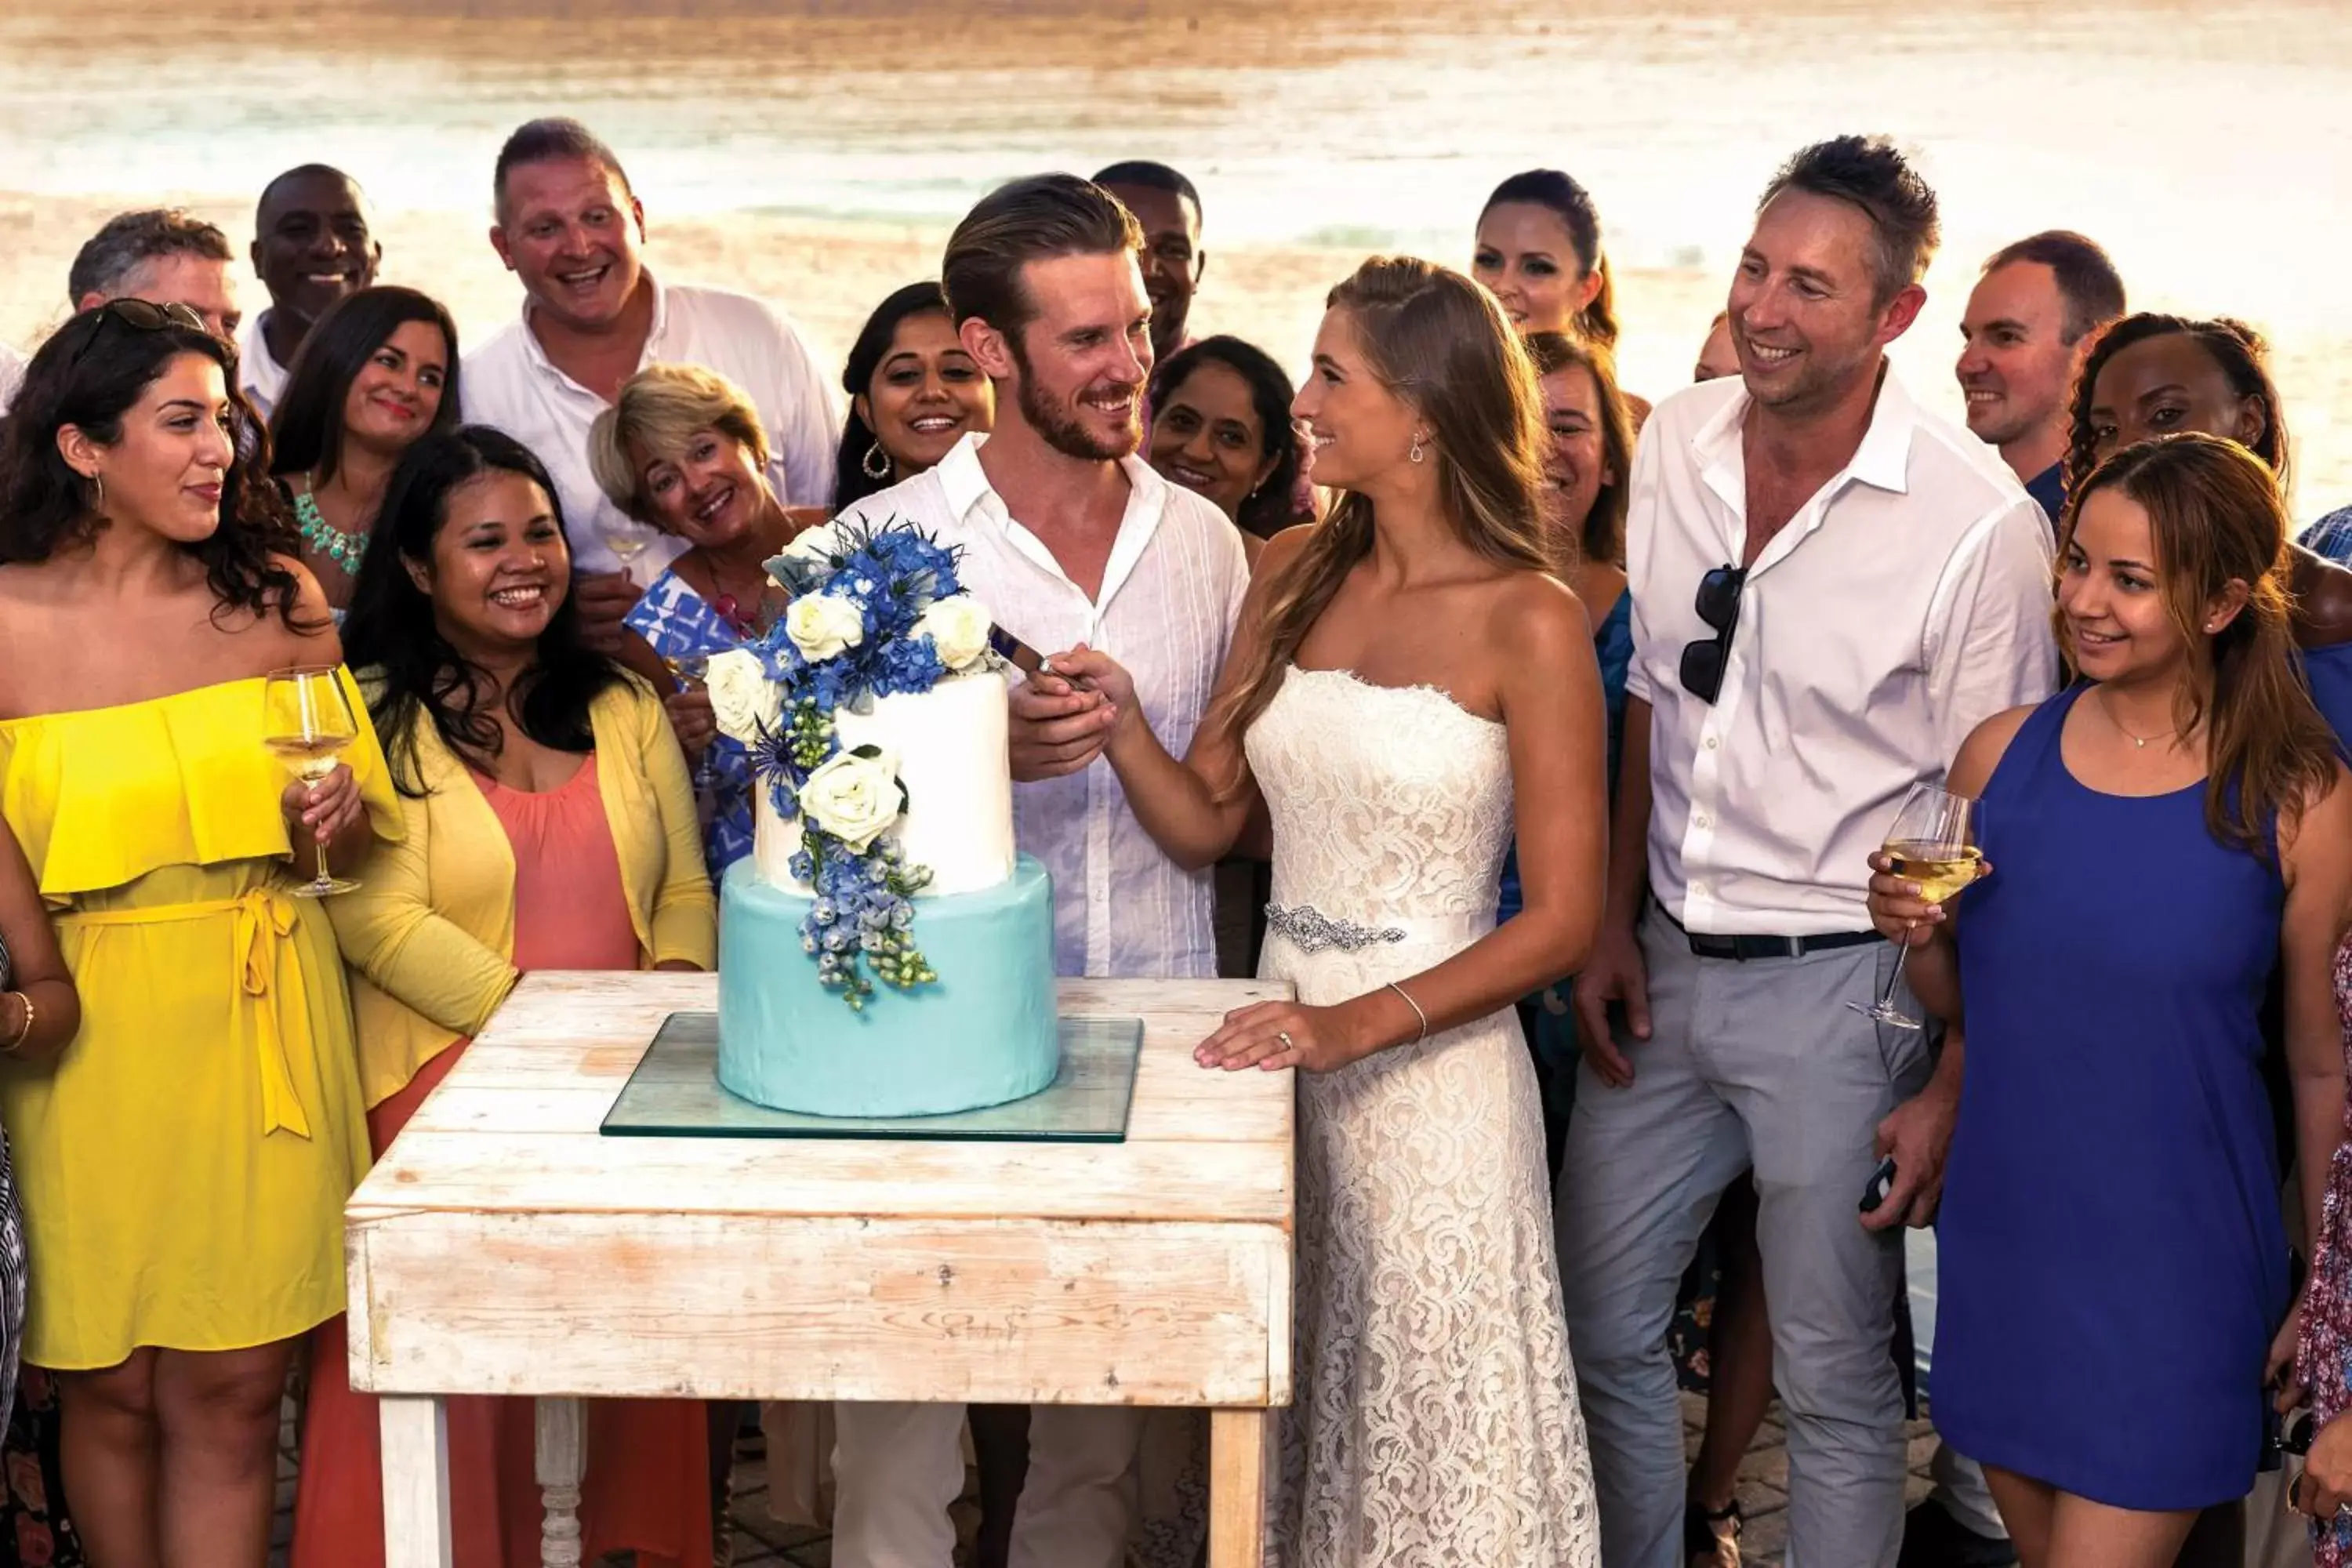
(1831, 589)
(1067, 537)
(312, 246)
(569, 227)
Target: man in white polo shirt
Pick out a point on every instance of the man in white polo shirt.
(569, 227)
(1831, 588)
(1067, 537)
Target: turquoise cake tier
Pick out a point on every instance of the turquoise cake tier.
(983, 1034)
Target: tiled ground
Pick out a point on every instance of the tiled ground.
(761, 1542)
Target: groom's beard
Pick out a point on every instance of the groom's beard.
(1058, 421)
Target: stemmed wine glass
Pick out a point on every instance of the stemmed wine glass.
(307, 723)
(626, 541)
(1932, 845)
(691, 672)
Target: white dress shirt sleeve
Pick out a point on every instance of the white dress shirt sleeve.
(1990, 645)
(805, 438)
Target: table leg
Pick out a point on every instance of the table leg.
(1238, 1441)
(562, 1462)
(416, 1433)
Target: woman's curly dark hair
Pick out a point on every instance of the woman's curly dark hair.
(2237, 348)
(89, 375)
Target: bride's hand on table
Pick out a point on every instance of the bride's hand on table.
(1276, 1034)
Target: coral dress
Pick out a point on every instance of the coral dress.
(184, 1166)
(649, 1480)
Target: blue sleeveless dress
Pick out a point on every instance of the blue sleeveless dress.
(2112, 1261)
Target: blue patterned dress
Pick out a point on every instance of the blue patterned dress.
(683, 628)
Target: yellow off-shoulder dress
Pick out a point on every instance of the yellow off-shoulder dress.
(183, 1164)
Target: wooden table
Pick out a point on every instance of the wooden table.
(504, 1246)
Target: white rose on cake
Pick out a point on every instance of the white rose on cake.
(957, 628)
(742, 699)
(821, 624)
(853, 797)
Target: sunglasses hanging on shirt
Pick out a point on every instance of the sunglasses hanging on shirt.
(1718, 604)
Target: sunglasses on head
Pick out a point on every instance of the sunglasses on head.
(143, 315)
(1718, 604)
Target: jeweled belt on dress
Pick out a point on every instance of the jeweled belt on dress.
(1310, 930)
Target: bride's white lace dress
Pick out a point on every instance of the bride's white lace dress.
(1435, 1420)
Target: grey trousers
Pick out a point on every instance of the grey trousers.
(1758, 1064)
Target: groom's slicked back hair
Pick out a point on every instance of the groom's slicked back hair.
(1036, 219)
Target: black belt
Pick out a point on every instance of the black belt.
(1741, 948)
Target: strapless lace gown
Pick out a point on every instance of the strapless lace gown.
(1435, 1420)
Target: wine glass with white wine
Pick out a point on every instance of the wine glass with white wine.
(626, 541)
(307, 724)
(1933, 845)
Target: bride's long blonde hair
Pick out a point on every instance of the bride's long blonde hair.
(1440, 342)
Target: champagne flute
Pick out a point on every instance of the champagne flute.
(1933, 844)
(307, 723)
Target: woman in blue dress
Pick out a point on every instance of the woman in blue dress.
(682, 451)
(2116, 1298)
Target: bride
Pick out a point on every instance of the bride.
(1408, 687)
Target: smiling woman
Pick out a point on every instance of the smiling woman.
(684, 451)
(185, 1162)
(1221, 425)
(379, 371)
(549, 825)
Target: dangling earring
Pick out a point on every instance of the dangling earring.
(1414, 455)
(98, 507)
(877, 463)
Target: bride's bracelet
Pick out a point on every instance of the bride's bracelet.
(1416, 1011)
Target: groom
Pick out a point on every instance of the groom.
(1067, 537)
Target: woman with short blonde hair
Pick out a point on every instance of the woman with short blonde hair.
(682, 449)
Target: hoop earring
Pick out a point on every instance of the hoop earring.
(1414, 455)
(877, 463)
(98, 507)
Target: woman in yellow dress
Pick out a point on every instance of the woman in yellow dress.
(185, 1160)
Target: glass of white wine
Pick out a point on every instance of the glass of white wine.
(626, 541)
(1933, 844)
(307, 724)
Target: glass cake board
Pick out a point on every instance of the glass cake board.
(675, 1093)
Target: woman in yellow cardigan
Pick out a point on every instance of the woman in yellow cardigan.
(549, 825)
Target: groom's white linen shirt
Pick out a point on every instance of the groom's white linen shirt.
(1170, 594)
(1905, 603)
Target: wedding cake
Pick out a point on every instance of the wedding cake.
(884, 950)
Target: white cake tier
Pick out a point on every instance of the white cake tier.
(952, 757)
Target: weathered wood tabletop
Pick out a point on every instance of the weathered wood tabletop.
(503, 1245)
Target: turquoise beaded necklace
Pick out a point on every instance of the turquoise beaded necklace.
(344, 549)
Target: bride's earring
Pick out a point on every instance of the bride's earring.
(877, 463)
(1414, 454)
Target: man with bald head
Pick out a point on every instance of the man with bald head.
(311, 245)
